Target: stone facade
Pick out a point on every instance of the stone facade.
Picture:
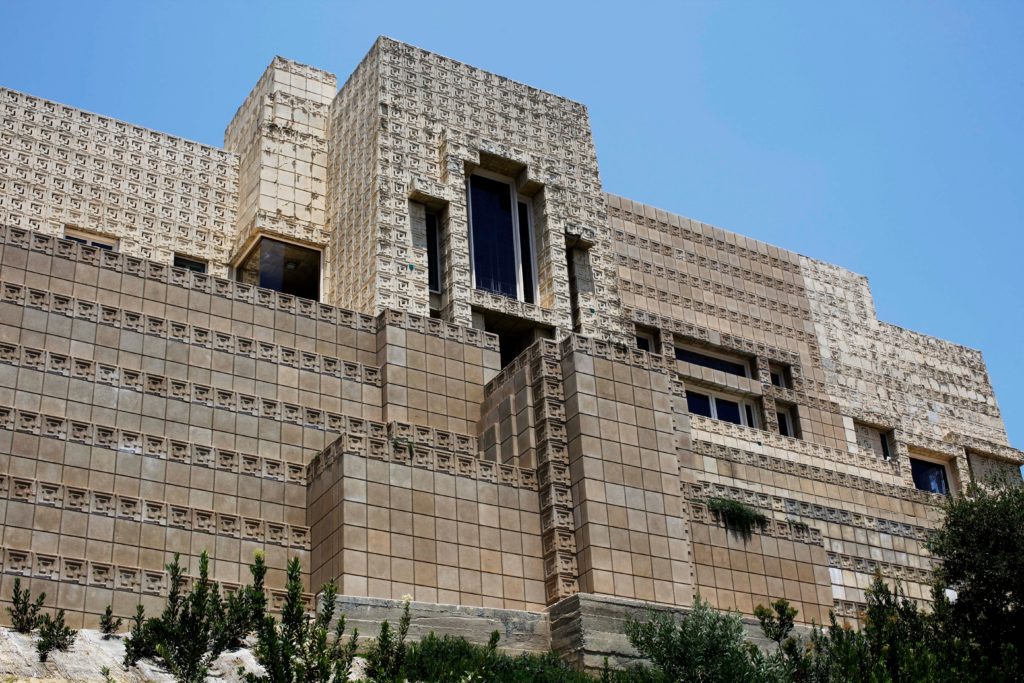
(542, 462)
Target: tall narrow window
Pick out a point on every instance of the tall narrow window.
(433, 253)
(501, 239)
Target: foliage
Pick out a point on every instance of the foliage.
(739, 518)
(245, 608)
(109, 624)
(24, 612)
(299, 649)
(702, 645)
(981, 547)
(140, 639)
(54, 634)
(387, 653)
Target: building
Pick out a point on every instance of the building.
(399, 330)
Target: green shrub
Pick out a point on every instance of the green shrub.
(739, 518)
(386, 657)
(54, 634)
(109, 624)
(140, 643)
(24, 612)
(300, 649)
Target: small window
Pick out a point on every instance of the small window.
(714, 361)
(282, 266)
(645, 340)
(98, 241)
(780, 375)
(788, 425)
(884, 439)
(874, 441)
(929, 476)
(718, 407)
(501, 239)
(189, 263)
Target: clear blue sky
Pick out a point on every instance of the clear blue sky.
(885, 137)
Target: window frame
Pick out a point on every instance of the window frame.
(198, 261)
(646, 336)
(91, 239)
(789, 412)
(516, 198)
(782, 372)
(738, 359)
(748, 409)
(275, 238)
(948, 475)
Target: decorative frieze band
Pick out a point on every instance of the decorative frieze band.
(147, 511)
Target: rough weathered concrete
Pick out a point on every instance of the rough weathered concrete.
(520, 631)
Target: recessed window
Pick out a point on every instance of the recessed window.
(721, 407)
(780, 375)
(788, 424)
(929, 476)
(874, 441)
(433, 253)
(716, 361)
(189, 263)
(282, 266)
(98, 241)
(646, 340)
(501, 239)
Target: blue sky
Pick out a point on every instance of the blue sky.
(885, 137)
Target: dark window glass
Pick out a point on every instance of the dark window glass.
(698, 404)
(784, 424)
(103, 245)
(494, 258)
(885, 445)
(526, 252)
(76, 239)
(283, 267)
(929, 476)
(433, 254)
(777, 379)
(643, 343)
(727, 410)
(700, 359)
(195, 265)
(750, 415)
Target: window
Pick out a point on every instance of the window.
(720, 407)
(788, 425)
(780, 375)
(646, 340)
(189, 263)
(98, 241)
(433, 253)
(283, 267)
(501, 239)
(929, 476)
(715, 361)
(874, 441)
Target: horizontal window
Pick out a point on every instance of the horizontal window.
(715, 362)
(188, 263)
(719, 407)
(284, 267)
(98, 241)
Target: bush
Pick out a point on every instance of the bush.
(24, 612)
(54, 634)
(386, 657)
(299, 649)
(109, 624)
(140, 643)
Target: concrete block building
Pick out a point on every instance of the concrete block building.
(399, 330)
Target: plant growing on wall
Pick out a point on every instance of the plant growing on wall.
(739, 518)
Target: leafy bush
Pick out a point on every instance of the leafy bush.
(54, 634)
(109, 624)
(739, 518)
(140, 643)
(24, 612)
